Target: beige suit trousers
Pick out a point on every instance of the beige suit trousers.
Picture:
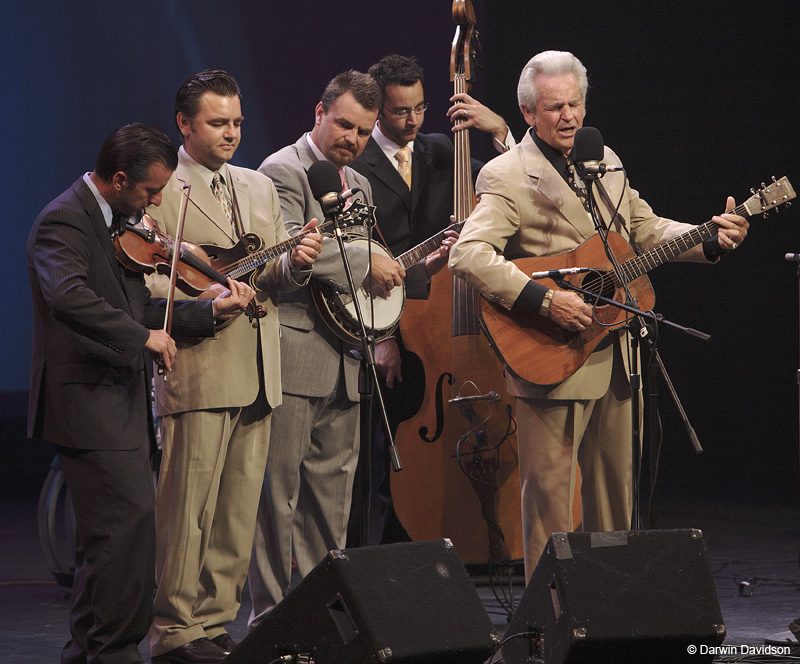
(208, 490)
(555, 436)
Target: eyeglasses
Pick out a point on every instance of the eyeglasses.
(405, 112)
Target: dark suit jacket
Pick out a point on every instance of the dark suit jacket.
(90, 386)
(405, 217)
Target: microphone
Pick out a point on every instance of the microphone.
(792, 258)
(323, 178)
(491, 397)
(588, 152)
(553, 274)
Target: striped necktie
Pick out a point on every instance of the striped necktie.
(221, 194)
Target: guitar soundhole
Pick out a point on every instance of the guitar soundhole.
(603, 283)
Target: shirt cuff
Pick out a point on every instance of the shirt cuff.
(531, 297)
(711, 249)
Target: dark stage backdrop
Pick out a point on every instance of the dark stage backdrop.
(698, 99)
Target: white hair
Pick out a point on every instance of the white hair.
(548, 63)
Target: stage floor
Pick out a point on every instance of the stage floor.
(753, 550)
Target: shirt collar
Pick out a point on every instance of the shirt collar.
(105, 208)
(206, 173)
(558, 160)
(317, 152)
(388, 146)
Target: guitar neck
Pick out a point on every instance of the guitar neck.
(416, 254)
(665, 252)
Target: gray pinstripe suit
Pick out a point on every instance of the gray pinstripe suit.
(313, 453)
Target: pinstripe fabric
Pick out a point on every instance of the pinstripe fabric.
(317, 449)
(90, 396)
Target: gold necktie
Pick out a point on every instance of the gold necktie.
(221, 194)
(403, 157)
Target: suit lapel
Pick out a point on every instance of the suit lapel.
(383, 169)
(201, 195)
(552, 186)
(242, 197)
(421, 165)
(98, 224)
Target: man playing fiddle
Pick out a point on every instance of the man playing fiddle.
(95, 328)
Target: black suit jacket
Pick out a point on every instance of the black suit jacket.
(90, 385)
(405, 217)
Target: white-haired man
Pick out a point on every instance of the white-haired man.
(527, 208)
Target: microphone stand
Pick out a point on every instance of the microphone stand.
(370, 386)
(638, 329)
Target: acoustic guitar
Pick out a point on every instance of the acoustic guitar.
(541, 352)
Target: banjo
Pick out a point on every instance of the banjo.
(381, 316)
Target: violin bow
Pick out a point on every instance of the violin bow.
(173, 274)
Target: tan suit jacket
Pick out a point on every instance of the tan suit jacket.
(526, 208)
(222, 372)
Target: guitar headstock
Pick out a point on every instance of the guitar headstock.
(779, 192)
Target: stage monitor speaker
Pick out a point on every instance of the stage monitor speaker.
(642, 596)
(411, 602)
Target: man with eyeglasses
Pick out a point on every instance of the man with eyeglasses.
(412, 206)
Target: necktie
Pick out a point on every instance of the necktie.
(221, 194)
(572, 182)
(117, 220)
(343, 179)
(403, 156)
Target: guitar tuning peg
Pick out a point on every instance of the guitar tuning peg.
(752, 190)
(773, 179)
(763, 186)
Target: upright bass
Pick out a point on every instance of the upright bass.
(460, 450)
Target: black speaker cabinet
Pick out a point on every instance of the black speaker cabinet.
(643, 596)
(408, 602)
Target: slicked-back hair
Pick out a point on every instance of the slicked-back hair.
(363, 87)
(549, 63)
(396, 70)
(210, 80)
(133, 149)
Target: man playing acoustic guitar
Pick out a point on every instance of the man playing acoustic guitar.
(528, 208)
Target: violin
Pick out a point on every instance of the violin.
(145, 248)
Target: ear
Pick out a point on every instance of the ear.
(530, 118)
(119, 180)
(184, 123)
(319, 111)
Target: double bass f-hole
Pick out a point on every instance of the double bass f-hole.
(459, 450)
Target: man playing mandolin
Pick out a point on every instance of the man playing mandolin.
(527, 207)
(216, 408)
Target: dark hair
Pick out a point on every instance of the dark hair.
(362, 86)
(211, 80)
(396, 70)
(133, 149)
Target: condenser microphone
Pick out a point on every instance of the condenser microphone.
(491, 397)
(587, 153)
(323, 178)
(554, 274)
